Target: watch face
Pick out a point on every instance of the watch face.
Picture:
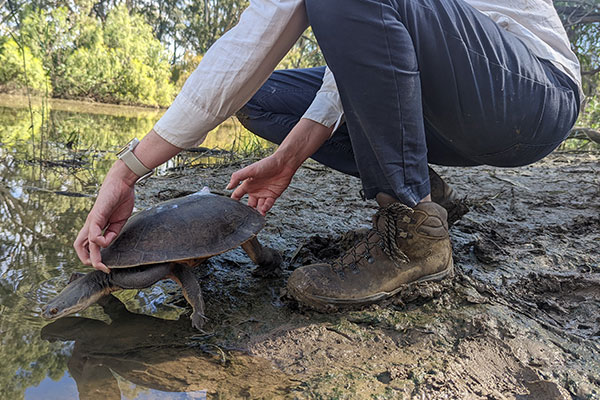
(129, 146)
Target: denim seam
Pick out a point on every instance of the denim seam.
(470, 50)
(520, 144)
(260, 98)
(398, 103)
(484, 158)
(546, 85)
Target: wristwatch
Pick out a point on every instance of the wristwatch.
(135, 165)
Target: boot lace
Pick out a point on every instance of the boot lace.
(395, 217)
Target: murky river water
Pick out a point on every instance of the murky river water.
(53, 158)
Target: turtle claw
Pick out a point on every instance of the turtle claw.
(198, 321)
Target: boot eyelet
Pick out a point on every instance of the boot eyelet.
(370, 260)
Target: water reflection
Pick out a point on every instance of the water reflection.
(52, 161)
(156, 354)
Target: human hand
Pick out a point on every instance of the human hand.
(114, 203)
(264, 181)
(111, 210)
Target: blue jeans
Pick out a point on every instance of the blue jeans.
(421, 81)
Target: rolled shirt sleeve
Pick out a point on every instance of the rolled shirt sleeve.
(233, 69)
(326, 107)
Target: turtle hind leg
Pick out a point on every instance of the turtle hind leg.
(267, 259)
(191, 291)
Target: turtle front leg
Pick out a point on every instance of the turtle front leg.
(266, 258)
(191, 291)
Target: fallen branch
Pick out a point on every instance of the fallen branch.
(585, 133)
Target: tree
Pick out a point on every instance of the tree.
(116, 60)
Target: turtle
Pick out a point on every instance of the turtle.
(163, 242)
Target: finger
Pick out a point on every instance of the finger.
(109, 237)
(260, 205)
(238, 176)
(94, 242)
(252, 201)
(233, 182)
(96, 259)
(80, 246)
(95, 233)
(240, 191)
(110, 233)
(268, 204)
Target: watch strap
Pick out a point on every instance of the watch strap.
(132, 162)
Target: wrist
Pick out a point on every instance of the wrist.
(288, 159)
(302, 141)
(122, 172)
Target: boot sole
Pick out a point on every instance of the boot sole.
(329, 304)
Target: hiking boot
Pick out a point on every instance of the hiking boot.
(406, 245)
(445, 196)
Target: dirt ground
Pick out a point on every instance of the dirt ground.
(520, 319)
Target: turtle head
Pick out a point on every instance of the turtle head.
(77, 296)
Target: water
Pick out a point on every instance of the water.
(53, 160)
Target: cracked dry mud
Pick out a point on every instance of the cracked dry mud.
(520, 320)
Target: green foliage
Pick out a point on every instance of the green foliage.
(581, 20)
(183, 69)
(116, 61)
(125, 64)
(590, 116)
(208, 20)
(304, 54)
(116, 51)
(19, 69)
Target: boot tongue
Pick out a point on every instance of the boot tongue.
(391, 210)
(388, 224)
(384, 200)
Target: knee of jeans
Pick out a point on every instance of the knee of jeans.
(251, 110)
(243, 116)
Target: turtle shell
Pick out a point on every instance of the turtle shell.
(200, 225)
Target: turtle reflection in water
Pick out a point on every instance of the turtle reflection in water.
(160, 355)
(163, 242)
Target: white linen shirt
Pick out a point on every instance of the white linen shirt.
(237, 64)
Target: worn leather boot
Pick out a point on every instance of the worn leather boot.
(445, 196)
(406, 245)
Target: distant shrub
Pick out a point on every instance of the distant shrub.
(115, 61)
(182, 70)
(590, 115)
(17, 74)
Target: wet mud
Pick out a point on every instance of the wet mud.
(519, 320)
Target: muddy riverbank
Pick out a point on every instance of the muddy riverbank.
(520, 320)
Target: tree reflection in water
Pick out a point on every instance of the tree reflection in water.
(42, 153)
